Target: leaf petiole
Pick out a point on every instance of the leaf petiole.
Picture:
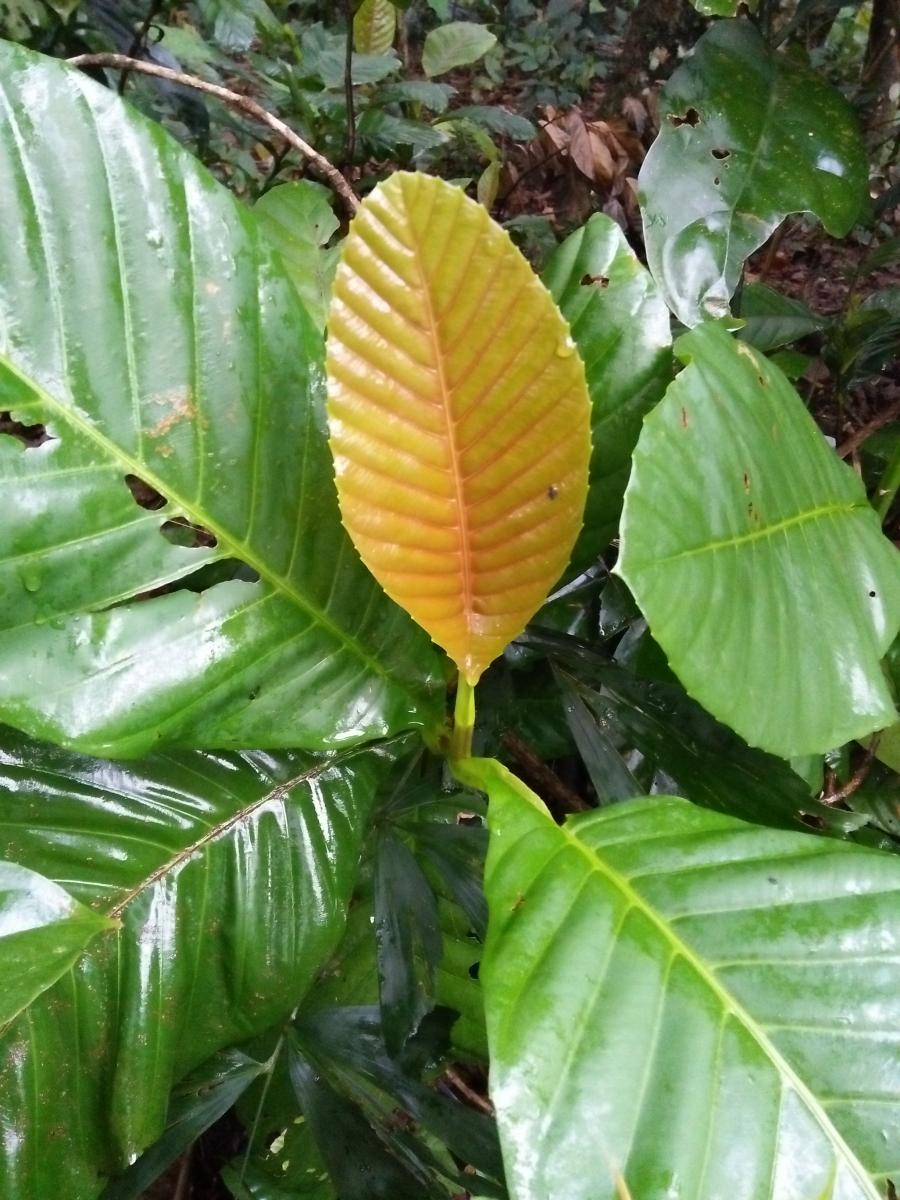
(463, 721)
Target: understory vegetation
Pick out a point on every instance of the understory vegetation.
(449, 598)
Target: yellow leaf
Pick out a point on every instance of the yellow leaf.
(374, 27)
(459, 417)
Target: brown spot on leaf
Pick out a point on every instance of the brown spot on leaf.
(601, 281)
(177, 406)
(746, 481)
(684, 419)
(552, 491)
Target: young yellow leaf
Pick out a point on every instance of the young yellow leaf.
(459, 417)
(374, 27)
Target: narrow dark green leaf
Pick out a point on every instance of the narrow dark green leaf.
(772, 320)
(608, 772)
(408, 936)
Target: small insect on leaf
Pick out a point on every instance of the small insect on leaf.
(457, 408)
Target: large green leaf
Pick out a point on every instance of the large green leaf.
(620, 324)
(456, 44)
(681, 1004)
(42, 933)
(756, 558)
(230, 875)
(747, 137)
(145, 322)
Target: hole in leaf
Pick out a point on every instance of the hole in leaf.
(691, 117)
(872, 595)
(474, 969)
(468, 818)
(717, 181)
(30, 436)
(721, 152)
(144, 495)
(601, 281)
(185, 533)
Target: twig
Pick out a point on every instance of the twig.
(546, 781)
(348, 86)
(856, 439)
(140, 36)
(322, 167)
(469, 1094)
(772, 251)
(184, 1174)
(856, 780)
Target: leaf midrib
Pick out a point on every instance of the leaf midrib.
(727, 1002)
(238, 549)
(821, 512)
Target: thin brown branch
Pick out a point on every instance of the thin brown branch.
(326, 170)
(544, 780)
(856, 439)
(473, 1098)
(856, 780)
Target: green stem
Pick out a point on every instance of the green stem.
(890, 484)
(463, 721)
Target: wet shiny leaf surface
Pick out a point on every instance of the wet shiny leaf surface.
(458, 414)
(42, 933)
(620, 324)
(683, 1004)
(230, 875)
(747, 136)
(756, 558)
(161, 346)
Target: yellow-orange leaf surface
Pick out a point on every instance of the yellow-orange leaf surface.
(459, 417)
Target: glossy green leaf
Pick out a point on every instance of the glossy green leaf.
(683, 1004)
(458, 415)
(197, 1103)
(230, 875)
(148, 326)
(43, 931)
(457, 44)
(620, 324)
(772, 319)
(722, 8)
(756, 558)
(299, 221)
(374, 26)
(747, 137)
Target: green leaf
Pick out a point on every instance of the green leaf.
(158, 339)
(235, 22)
(43, 931)
(755, 557)
(722, 8)
(620, 324)
(772, 319)
(408, 937)
(680, 1003)
(497, 120)
(747, 137)
(230, 875)
(457, 44)
(197, 1103)
(299, 221)
(433, 96)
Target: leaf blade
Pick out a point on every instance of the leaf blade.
(759, 557)
(661, 925)
(443, 384)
